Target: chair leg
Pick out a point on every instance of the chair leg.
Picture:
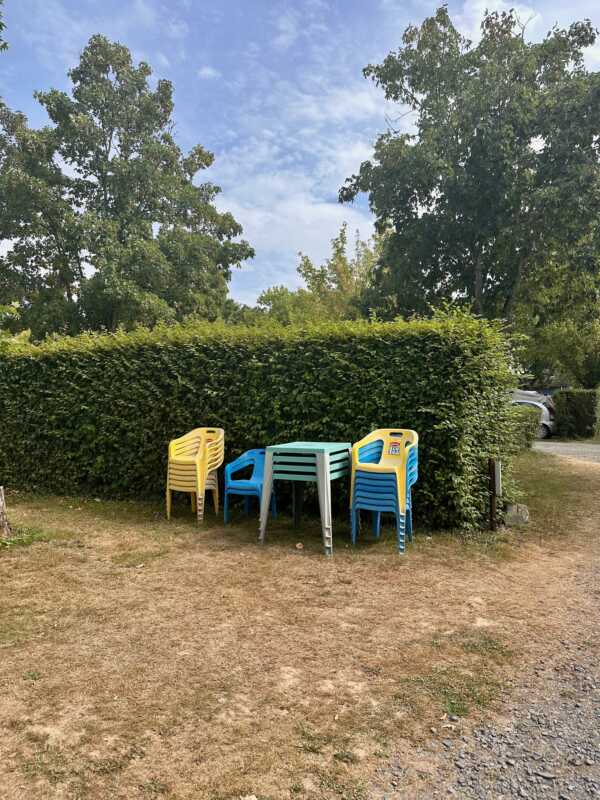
(168, 498)
(215, 494)
(354, 512)
(324, 489)
(400, 529)
(193, 499)
(376, 515)
(226, 507)
(200, 509)
(265, 499)
(273, 506)
(201, 484)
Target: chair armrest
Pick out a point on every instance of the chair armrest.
(215, 450)
(237, 465)
(370, 439)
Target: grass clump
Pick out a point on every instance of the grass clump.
(456, 692)
(488, 647)
(311, 742)
(23, 537)
(346, 756)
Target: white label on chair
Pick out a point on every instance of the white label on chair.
(395, 449)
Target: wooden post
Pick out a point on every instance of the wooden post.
(5, 530)
(495, 475)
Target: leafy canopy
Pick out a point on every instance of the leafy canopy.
(565, 352)
(333, 290)
(107, 223)
(3, 44)
(494, 177)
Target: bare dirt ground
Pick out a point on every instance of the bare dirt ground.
(141, 659)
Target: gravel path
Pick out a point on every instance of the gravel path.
(550, 749)
(544, 746)
(584, 451)
(548, 744)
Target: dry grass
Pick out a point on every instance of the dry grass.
(142, 659)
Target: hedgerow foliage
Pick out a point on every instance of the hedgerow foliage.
(577, 412)
(526, 424)
(93, 414)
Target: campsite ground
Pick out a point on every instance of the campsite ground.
(142, 659)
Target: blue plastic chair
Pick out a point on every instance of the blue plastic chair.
(246, 487)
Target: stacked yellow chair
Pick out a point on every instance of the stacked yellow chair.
(193, 463)
(385, 466)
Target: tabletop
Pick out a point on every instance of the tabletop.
(311, 447)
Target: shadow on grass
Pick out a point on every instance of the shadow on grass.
(549, 492)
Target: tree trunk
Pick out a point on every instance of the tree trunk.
(478, 287)
(510, 301)
(5, 530)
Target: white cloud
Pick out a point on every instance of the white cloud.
(293, 25)
(287, 25)
(145, 12)
(300, 136)
(279, 230)
(177, 29)
(208, 73)
(284, 204)
(336, 103)
(58, 33)
(55, 34)
(340, 159)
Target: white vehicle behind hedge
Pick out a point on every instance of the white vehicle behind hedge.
(543, 403)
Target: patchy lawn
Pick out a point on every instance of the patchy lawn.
(146, 659)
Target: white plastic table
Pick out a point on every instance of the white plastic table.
(317, 462)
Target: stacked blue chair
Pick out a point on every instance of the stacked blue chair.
(246, 487)
(385, 466)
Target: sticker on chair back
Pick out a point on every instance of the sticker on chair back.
(395, 449)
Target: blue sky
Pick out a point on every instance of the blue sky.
(273, 87)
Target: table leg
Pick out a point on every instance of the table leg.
(265, 500)
(297, 501)
(324, 487)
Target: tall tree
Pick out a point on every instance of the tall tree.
(108, 226)
(3, 44)
(333, 290)
(499, 178)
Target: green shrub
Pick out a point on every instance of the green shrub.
(94, 414)
(576, 413)
(526, 421)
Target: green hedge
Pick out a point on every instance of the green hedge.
(93, 414)
(576, 413)
(526, 424)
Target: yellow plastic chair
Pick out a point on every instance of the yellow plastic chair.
(385, 465)
(193, 463)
